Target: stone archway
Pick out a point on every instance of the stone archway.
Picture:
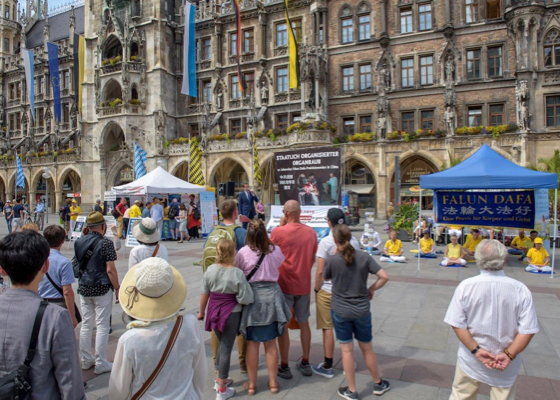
(20, 192)
(228, 170)
(69, 183)
(359, 178)
(124, 175)
(181, 171)
(39, 187)
(411, 170)
(269, 190)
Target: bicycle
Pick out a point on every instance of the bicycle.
(29, 220)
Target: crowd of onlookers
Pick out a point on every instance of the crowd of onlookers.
(256, 287)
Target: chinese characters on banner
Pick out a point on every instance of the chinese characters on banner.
(310, 176)
(514, 209)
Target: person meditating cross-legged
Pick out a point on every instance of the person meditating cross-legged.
(427, 246)
(473, 239)
(538, 258)
(453, 253)
(393, 249)
(520, 245)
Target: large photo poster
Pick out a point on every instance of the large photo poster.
(315, 217)
(310, 176)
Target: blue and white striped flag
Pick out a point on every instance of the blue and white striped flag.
(20, 178)
(140, 158)
(29, 64)
(189, 52)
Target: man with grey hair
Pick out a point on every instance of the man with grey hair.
(494, 318)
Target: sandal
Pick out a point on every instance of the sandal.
(250, 391)
(180, 241)
(273, 389)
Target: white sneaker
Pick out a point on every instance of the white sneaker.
(87, 364)
(101, 369)
(228, 383)
(230, 392)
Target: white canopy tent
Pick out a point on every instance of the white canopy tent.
(158, 181)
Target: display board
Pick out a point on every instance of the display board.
(130, 239)
(79, 227)
(313, 216)
(310, 176)
(208, 211)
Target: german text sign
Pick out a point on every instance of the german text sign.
(513, 209)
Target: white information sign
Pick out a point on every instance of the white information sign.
(79, 227)
(110, 221)
(130, 239)
(313, 216)
(110, 196)
(208, 211)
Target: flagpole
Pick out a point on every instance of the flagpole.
(190, 157)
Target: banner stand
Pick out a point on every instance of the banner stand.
(420, 233)
(554, 227)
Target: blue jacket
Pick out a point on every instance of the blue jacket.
(247, 204)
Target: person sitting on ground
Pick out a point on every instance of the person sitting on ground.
(453, 253)
(418, 228)
(538, 258)
(520, 245)
(473, 239)
(225, 290)
(455, 230)
(349, 270)
(152, 293)
(373, 240)
(145, 232)
(55, 370)
(427, 246)
(393, 249)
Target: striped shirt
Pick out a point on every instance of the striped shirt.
(494, 308)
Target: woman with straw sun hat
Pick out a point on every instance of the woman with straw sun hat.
(146, 233)
(162, 353)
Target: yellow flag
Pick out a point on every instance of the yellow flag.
(292, 51)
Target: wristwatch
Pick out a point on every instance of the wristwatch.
(473, 351)
(316, 291)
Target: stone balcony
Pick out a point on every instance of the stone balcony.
(118, 110)
(109, 69)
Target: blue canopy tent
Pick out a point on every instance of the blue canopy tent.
(486, 169)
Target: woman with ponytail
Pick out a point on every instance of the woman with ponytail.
(348, 270)
(264, 320)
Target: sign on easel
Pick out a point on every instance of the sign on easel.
(110, 221)
(78, 228)
(130, 239)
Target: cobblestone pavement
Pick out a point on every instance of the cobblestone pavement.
(416, 349)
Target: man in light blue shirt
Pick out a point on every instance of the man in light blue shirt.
(60, 272)
(40, 210)
(157, 214)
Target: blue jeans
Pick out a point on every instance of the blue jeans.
(429, 255)
(9, 223)
(515, 252)
(346, 329)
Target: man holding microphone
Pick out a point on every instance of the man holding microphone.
(247, 200)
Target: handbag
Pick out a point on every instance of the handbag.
(115, 213)
(17, 384)
(254, 270)
(59, 290)
(153, 376)
(80, 266)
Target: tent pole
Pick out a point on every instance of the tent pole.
(554, 229)
(420, 233)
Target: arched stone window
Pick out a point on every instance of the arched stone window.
(364, 21)
(112, 94)
(112, 49)
(346, 25)
(551, 47)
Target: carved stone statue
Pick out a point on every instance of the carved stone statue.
(311, 102)
(523, 117)
(449, 69)
(449, 99)
(159, 142)
(219, 99)
(385, 77)
(264, 93)
(382, 125)
(449, 118)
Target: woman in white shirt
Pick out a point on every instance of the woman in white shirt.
(152, 293)
(146, 233)
(183, 215)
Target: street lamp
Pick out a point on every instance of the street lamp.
(47, 175)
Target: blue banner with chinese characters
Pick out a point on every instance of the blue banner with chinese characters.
(512, 209)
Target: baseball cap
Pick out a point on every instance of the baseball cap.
(335, 216)
(538, 240)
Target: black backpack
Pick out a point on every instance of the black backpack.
(172, 212)
(17, 384)
(196, 213)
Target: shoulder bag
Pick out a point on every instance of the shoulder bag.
(254, 270)
(154, 375)
(154, 254)
(59, 290)
(17, 384)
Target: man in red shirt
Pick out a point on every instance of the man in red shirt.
(298, 243)
(121, 207)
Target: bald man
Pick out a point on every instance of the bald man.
(298, 243)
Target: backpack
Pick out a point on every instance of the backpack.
(17, 384)
(62, 213)
(172, 212)
(196, 214)
(209, 252)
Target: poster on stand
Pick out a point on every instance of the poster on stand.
(78, 227)
(208, 211)
(310, 176)
(110, 221)
(312, 216)
(130, 239)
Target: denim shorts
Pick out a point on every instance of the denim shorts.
(346, 329)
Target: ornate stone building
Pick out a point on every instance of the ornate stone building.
(428, 81)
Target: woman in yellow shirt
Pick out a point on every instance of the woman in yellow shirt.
(538, 258)
(453, 254)
(393, 249)
(427, 246)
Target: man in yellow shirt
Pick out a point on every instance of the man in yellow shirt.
(453, 254)
(135, 211)
(520, 245)
(75, 210)
(427, 246)
(472, 241)
(538, 258)
(393, 249)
